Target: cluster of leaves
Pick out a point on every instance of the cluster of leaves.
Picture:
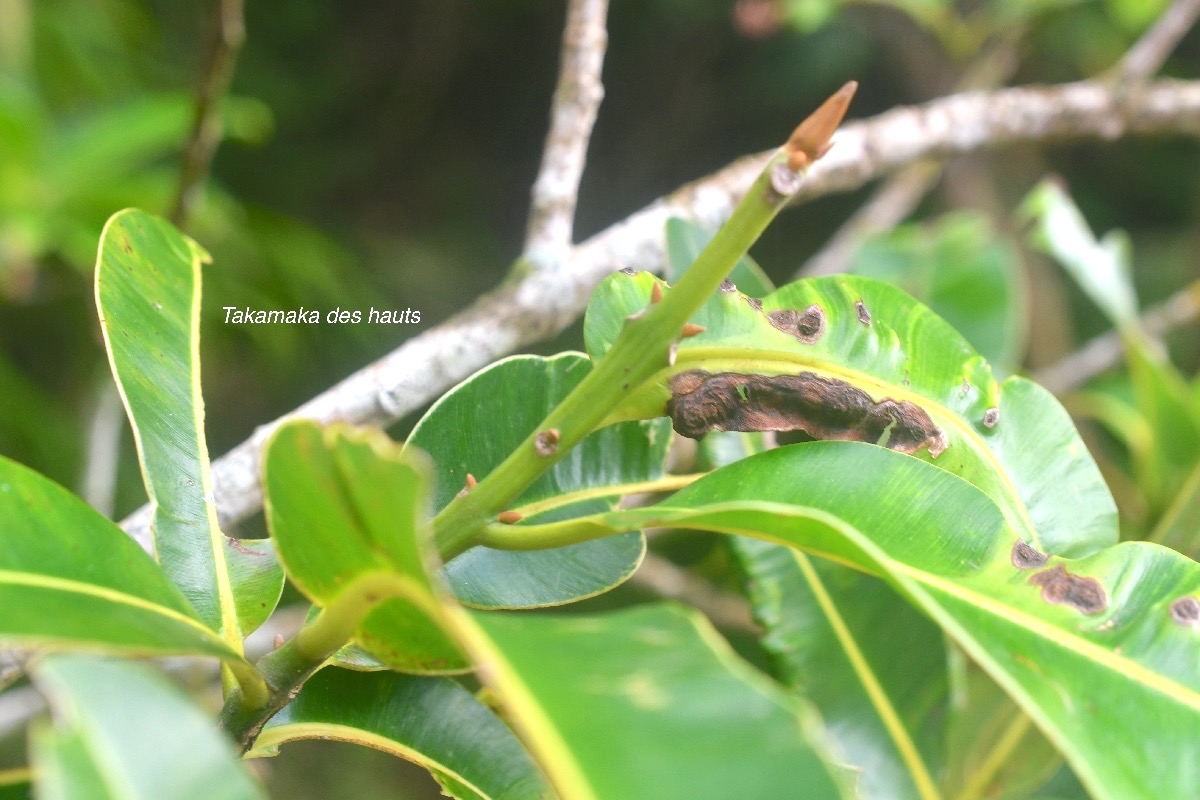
(938, 627)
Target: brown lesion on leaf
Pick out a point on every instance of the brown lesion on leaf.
(991, 417)
(807, 325)
(1080, 592)
(824, 408)
(753, 302)
(864, 316)
(545, 444)
(728, 286)
(629, 271)
(1026, 557)
(1186, 611)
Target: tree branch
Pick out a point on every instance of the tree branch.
(543, 302)
(572, 116)
(1148, 54)
(206, 128)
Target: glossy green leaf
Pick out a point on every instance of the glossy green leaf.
(821, 624)
(477, 424)
(651, 703)
(1121, 625)
(1030, 460)
(124, 732)
(346, 506)
(148, 295)
(432, 722)
(69, 577)
(966, 274)
(685, 240)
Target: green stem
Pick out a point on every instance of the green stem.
(281, 672)
(642, 349)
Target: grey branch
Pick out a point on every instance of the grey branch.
(1107, 350)
(540, 303)
(572, 115)
(1148, 54)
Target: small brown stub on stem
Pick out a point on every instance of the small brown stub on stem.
(1081, 593)
(510, 517)
(469, 485)
(656, 293)
(807, 325)
(824, 408)
(864, 316)
(278, 641)
(692, 329)
(1186, 611)
(991, 417)
(545, 444)
(1025, 557)
(811, 139)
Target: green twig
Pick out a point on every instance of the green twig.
(645, 344)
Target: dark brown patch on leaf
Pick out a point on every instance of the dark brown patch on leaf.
(629, 271)
(807, 325)
(864, 316)
(1025, 557)
(546, 442)
(728, 286)
(991, 417)
(1081, 593)
(824, 408)
(1186, 611)
(754, 303)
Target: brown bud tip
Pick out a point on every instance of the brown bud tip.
(811, 139)
(471, 482)
(692, 329)
(509, 517)
(656, 293)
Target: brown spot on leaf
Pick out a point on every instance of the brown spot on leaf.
(807, 325)
(754, 303)
(864, 316)
(1186, 611)
(629, 271)
(728, 286)
(1025, 557)
(991, 417)
(1081, 593)
(546, 442)
(824, 408)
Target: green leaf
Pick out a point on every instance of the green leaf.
(1030, 460)
(346, 508)
(1161, 396)
(124, 732)
(148, 296)
(1118, 625)
(432, 722)
(477, 424)
(648, 702)
(821, 624)
(69, 577)
(1101, 268)
(966, 274)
